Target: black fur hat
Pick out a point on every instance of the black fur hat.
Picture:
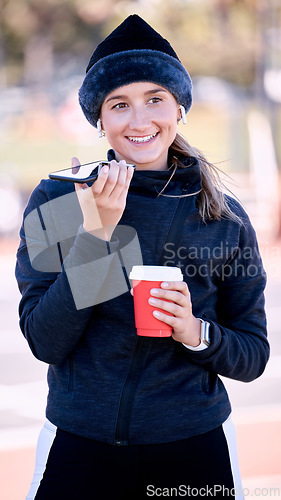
(133, 52)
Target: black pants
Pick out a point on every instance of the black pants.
(82, 469)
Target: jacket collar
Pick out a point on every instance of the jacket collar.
(153, 181)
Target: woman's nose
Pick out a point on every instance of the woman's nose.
(140, 119)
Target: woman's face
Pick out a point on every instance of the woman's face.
(140, 123)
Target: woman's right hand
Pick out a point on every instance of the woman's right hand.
(104, 202)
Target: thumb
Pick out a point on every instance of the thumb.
(75, 162)
(80, 187)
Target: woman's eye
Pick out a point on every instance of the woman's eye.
(120, 105)
(155, 100)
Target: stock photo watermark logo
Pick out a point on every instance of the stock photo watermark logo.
(220, 262)
(96, 270)
(184, 490)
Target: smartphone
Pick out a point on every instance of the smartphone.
(82, 173)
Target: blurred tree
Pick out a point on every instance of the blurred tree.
(214, 37)
(32, 30)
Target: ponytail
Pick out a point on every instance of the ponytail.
(212, 202)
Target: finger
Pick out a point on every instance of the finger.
(170, 307)
(98, 186)
(172, 295)
(111, 178)
(78, 186)
(75, 162)
(175, 297)
(130, 173)
(170, 320)
(121, 180)
(180, 286)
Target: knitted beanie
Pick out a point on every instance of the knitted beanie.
(133, 52)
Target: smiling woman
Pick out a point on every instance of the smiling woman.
(135, 53)
(140, 123)
(131, 416)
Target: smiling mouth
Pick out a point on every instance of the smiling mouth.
(142, 139)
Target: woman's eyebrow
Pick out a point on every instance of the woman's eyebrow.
(115, 97)
(154, 91)
(148, 92)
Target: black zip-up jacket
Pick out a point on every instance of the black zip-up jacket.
(105, 382)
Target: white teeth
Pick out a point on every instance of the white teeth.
(142, 139)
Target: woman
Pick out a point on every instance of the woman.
(135, 417)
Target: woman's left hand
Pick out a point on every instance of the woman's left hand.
(186, 328)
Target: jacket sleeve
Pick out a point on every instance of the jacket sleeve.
(55, 308)
(239, 347)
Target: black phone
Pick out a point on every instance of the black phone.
(87, 172)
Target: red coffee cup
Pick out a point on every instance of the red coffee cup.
(144, 279)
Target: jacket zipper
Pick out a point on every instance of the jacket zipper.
(129, 389)
(128, 394)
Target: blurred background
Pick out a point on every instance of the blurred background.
(232, 49)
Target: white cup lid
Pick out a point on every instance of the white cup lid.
(156, 273)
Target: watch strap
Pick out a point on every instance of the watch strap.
(204, 335)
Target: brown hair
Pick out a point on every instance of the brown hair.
(212, 202)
